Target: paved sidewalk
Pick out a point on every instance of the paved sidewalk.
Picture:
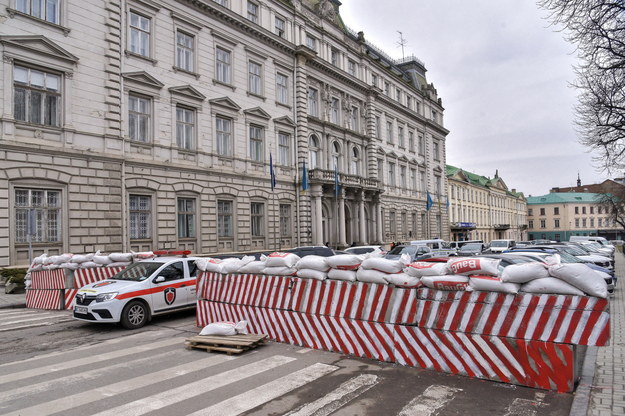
(12, 300)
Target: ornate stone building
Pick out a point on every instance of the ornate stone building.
(144, 124)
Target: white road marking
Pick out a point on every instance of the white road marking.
(432, 399)
(42, 323)
(267, 392)
(303, 351)
(186, 392)
(28, 318)
(104, 392)
(526, 407)
(336, 399)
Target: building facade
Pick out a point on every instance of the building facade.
(559, 215)
(215, 126)
(482, 208)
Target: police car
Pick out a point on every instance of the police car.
(142, 290)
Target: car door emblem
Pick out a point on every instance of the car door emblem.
(170, 295)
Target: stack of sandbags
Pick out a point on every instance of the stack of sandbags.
(281, 264)
(227, 265)
(569, 279)
(344, 266)
(312, 267)
(378, 270)
(414, 272)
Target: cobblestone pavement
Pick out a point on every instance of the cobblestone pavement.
(607, 395)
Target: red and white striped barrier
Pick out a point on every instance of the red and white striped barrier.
(48, 279)
(70, 294)
(83, 277)
(45, 298)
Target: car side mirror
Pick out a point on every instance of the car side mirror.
(159, 279)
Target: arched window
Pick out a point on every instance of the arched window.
(313, 152)
(355, 165)
(336, 152)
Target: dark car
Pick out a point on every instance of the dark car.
(470, 249)
(312, 250)
(415, 252)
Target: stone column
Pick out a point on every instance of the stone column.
(362, 222)
(379, 221)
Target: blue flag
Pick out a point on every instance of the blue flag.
(304, 178)
(337, 187)
(272, 173)
(428, 202)
(447, 203)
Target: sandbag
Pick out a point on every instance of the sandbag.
(233, 265)
(582, 277)
(119, 264)
(253, 267)
(142, 255)
(89, 265)
(40, 259)
(279, 259)
(550, 285)
(425, 268)
(448, 282)
(70, 266)
(280, 271)
(209, 264)
(313, 262)
(524, 272)
(371, 276)
(225, 328)
(81, 258)
(474, 265)
(488, 283)
(403, 280)
(63, 258)
(102, 260)
(120, 257)
(339, 274)
(383, 265)
(312, 274)
(49, 260)
(344, 261)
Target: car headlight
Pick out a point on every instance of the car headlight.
(103, 297)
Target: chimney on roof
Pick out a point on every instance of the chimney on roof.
(496, 173)
(513, 190)
(579, 181)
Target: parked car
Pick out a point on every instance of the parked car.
(457, 244)
(497, 246)
(415, 252)
(439, 247)
(365, 250)
(471, 249)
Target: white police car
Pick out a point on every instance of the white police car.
(142, 290)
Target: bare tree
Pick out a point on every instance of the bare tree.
(614, 205)
(597, 28)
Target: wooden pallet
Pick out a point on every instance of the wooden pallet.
(230, 344)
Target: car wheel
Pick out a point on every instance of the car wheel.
(134, 315)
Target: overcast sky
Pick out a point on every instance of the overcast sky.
(503, 74)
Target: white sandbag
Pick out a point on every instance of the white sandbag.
(142, 255)
(225, 328)
(63, 258)
(313, 262)
(279, 259)
(524, 272)
(81, 258)
(89, 265)
(50, 266)
(40, 259)
(209, 264)
(120, 257)
(448, 282)
(36, 268)
(280, 271)
(119, 264)
(253, 267)
(102, 260)
(344, 261)
(312, 274)
(49, 260)
(426, 268)
(383, 265)
(233, 265)
(582, 277)
(550, 285)
(70, 266)
(488, 283)
(474, 265)
(371, 276)
(403, 280)
(339, 274)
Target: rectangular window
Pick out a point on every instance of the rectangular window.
(311, 42)
(409, 102)
(140, 207)
(284, 149)
(592, 210)
(351, 67)
(400, 136)
(577, 210)
(391, 174)
(255, 85)
(186, 218)
(252, 12)
(392, 222)
(556, 211)
(530, 224)
(434, 116)
(37, 96)
(592, 222)
(257, 211)
(421, 144)
(139, 112)
(438, 184)
(38, 213)
(185, 126)
(583, 210)
(389, 132)
(378, 127)
(413, 179)
(256, 143)
(334, 56)
(387, 89)
(583, 222)
(224, 136)
(222, 2)
(411, 141)
(279, 27)
(282, 89)
(46, 10)
(355, 119)
(223, 65)
(139, 34)
(313, 100)
(184, 51)
(556, 223)
(334, 111)
(530, 212)
(543, 224)
(374, 80)
(423, 180)
(402, 177)
(542, 211)
(224, 219)
(398, 95)
(576, 222)
(285, 220)
(436, 151)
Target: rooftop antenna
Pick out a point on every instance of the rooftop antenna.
(402, 42)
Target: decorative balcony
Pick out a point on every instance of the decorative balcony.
(326, 177)
(501, 227)
(462, 226)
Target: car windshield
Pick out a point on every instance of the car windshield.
(138, 271)
(471, 247)
(496, 243)
(412, 250)
(568, 258)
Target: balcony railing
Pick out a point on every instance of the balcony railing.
(355, 181)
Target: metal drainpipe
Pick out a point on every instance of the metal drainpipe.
(124, 202)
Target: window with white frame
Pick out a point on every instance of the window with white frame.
(38, 212)
(413, 179)
(140, 210)
(389, 132)
(223, 128)
(438, 184)
(184, 51)
(543, 224)
(335, 57)
(313, 151)
(285, 220)
(400, 136)
(556, 223)
(355, 118)
(311, 41)
(402, 177)
(411, 143)
(409, 102)
(257, 213)
(225, 224)
(391, 174)
(423, 180)
(185, 127)
(284, 149)
(336, 156)
(139, 118)
(398, 95)
(252, 12)
(280, 26)
(421, 144)
(223, 65)
(36, 96)
(186, 217)
(351, 67)
(256, 143)
(387, 88)
(282, 88)
(335, 111)
(255, 81)
(374, 79)
(139, 34)
(436, 150)
(378, 127)
(222, 2)
(313, 102)
(355, 165)
(48, 10)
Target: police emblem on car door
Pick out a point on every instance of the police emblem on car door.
(170, 295)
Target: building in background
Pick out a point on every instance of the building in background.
(482, 208)
(215, 126)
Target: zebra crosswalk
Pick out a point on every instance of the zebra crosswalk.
(14, 319)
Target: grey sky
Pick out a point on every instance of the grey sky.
(503, 73)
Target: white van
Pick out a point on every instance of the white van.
(439, 247)
(497, 246)
(458, 244)
(601, 240)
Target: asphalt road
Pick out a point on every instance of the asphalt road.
(51, 364)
